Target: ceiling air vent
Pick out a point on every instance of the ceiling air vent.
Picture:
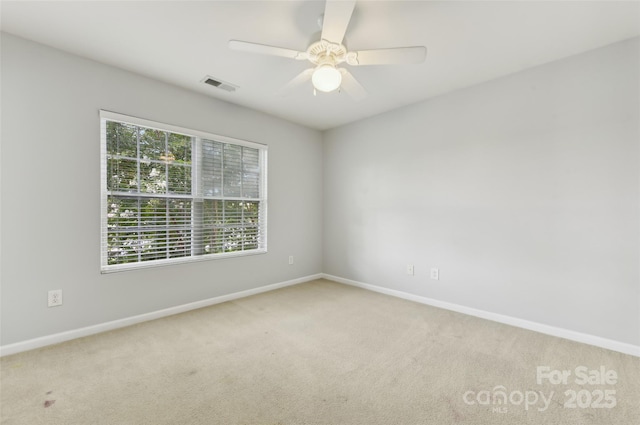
(219, 83)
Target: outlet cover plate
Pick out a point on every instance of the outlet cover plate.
(435, 274)
(55, 298)
(410, 269)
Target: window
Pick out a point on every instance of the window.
(171, 194)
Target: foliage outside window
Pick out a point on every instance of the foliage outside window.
(172, 194)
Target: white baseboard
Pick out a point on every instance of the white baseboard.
(597, 341)
(120, 323)
(609, 344)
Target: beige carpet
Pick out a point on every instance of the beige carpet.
(315, 353)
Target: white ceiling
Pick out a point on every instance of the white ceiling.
(180, 42)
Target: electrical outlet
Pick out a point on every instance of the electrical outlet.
(290, 259)
(435, 274)
(55, 298)
(410, 269)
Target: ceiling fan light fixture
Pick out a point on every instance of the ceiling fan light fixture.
(326, 78)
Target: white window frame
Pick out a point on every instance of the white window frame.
(199, 135)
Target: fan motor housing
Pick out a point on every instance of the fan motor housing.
(323, 51)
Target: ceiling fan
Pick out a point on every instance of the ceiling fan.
(329, 52)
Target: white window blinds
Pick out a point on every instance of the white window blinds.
(171, 194)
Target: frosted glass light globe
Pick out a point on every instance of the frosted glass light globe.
(326, 78)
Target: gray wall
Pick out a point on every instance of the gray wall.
(51, 194)
(523, 191)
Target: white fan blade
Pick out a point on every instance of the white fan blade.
(395, 56)
(337, 14)
(352, 86)
(299, 79)
(264, 49)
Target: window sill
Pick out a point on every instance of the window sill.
(182, 260)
